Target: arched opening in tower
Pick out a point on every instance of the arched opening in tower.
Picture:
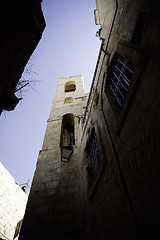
(70, 86)
(67, 137)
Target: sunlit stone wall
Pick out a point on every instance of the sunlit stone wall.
(13, 202)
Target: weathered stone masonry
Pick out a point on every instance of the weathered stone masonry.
(54, 208)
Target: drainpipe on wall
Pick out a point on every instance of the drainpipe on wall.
(94, 77)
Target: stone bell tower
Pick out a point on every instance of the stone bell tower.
(53, 210)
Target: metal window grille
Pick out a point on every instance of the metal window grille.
(68, 140)
(120, 79)
(94, 155)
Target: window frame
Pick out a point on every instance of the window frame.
(94, 159)
(92, 186)
(68, 117)
(137, 58)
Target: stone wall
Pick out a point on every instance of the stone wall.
(13, 202)
(123, 199)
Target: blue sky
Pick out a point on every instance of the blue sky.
(68, 47)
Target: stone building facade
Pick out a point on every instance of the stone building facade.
(13, 202)
(122, 199)
(115, 162)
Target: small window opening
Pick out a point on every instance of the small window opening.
(139, 28)
(68, 100)
(70, 86)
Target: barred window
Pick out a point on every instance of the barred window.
(93, 155)
(119, 78)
